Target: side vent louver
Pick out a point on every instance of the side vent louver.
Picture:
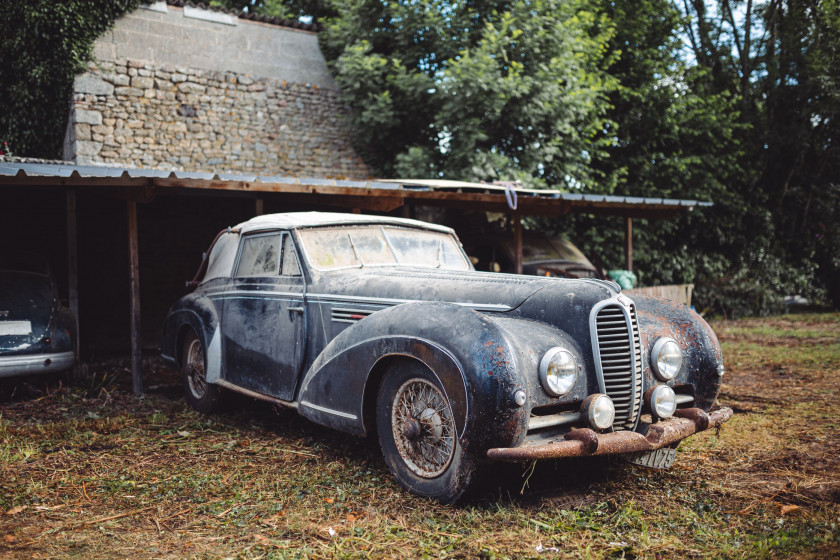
(344, 315)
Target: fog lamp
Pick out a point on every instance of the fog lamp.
(599, 411)
(662, 401)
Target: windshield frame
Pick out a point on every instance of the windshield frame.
(398, 262)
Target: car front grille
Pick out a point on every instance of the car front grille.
(620, 363)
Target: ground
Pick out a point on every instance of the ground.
(94, 472)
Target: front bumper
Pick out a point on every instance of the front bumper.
(584, 442)
(36, 363)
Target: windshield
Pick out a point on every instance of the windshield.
(541, 249)
(360, 246)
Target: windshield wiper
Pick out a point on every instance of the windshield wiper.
(439, 253)
(356, 251)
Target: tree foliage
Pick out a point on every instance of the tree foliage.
(45, 44)
(477, 90)
(733, 101)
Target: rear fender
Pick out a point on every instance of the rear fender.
(193, 312)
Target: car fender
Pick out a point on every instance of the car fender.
(198, 313)
(702, 357)
(467, 351)
(64, 336)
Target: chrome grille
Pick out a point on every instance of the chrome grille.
(619, 350)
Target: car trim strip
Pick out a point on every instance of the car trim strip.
(329, 410)
(394, 301)
(374, 300)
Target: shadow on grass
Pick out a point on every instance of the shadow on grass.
(561, 483)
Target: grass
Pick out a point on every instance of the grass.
(94, 472)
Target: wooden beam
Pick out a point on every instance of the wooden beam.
(72, 256)
(134, 281)
(517, 239)
(628, 243)
(73, 265)
(259, 206)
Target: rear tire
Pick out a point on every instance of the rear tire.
(200, 394)
(418, 436)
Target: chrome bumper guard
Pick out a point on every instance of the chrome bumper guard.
(585, 441)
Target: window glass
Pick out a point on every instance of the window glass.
(290, 263)
(328, 248)
(221, 259)
(427, 249)
(260, 256)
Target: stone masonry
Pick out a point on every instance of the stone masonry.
(155, 99)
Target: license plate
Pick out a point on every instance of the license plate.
(661, 458)
(8, 328)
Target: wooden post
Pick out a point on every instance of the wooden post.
(72, 256)
(628, 243)
(134, 279)
(259, 207)
(517, 239)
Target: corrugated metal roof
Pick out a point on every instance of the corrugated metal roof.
(26, 173)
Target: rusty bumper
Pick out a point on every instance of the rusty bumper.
(583, 442)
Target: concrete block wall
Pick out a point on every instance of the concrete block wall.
(197, 90)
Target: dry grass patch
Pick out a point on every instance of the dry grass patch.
(93, 472)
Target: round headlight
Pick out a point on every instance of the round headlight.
(599, 411)
(558, 371)
(663, 401)
(666, 359)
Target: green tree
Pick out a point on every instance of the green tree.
(676, 137)
(781, 57)
(476, 90)
(45, 44)
(287, 9)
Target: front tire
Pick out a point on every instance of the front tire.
(418, 436)
(201, 395)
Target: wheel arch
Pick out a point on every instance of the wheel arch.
(474, 363)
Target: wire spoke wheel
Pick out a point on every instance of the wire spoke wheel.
(196, 378)
(423, 428)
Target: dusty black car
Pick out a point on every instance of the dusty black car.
(542, 255)
(381, 325)
(37, 333)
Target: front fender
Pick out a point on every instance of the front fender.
(702, 365)
(467, 351)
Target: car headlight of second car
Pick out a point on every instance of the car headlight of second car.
(558, 371)
(666, 359)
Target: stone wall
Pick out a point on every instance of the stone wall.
(171, 92)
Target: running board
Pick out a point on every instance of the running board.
(253, 394)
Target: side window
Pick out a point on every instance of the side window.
(290, 263)
(260, 256)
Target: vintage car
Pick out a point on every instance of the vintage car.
(542, 255)
(377, 325)
(37, 333)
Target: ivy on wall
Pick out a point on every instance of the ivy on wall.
(44, 45)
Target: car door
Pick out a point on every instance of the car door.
(262, 322)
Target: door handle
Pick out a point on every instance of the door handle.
(296, 310)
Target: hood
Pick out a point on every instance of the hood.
(498, 292)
